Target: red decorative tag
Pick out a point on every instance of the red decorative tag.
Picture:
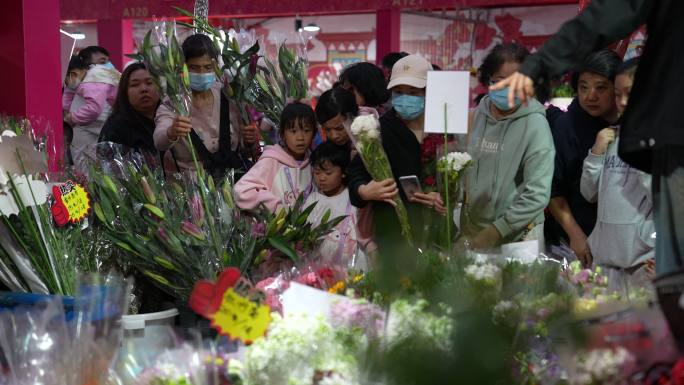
(228, 305)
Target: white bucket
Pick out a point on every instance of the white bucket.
(149, 333)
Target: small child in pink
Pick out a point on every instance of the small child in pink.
(283, 171)
(344, 245)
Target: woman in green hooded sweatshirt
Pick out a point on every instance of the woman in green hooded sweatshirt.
(509, 184)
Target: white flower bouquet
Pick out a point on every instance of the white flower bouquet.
(300, 350)
(450, 168)
(365, 133)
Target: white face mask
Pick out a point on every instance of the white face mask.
(73, 84)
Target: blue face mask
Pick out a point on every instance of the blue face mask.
(201, 82)
(500, 99)
(409, 107)
(109, 65)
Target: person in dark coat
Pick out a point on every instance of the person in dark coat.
(573, 135)
(652, 133)
(401, 131)
(132, 121)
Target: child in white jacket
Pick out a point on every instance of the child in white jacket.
(623, 239)
(344, 246)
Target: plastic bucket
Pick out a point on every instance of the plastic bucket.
(148, 333)
(147, 327)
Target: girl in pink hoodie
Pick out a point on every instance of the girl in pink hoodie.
(283, 171)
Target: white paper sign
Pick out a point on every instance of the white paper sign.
(300, 299)
(453, 89)
(524, 252)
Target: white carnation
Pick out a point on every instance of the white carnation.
(373, 134)
(503, 306)
(457, 161)
(600, 365)
(368, 124)
(485, 272)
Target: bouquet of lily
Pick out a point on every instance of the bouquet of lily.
(289, 231)
(275, 85)
(165, 61)
(365, 132)
(176, 236)
(35, 255)
(175, 232)
(450, 168)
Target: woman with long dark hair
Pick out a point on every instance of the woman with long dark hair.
(132, 121)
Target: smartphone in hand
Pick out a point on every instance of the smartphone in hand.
(410, 184)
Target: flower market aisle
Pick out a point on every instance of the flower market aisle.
(124, 274)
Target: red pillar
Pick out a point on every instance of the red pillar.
(117, 37)
(388, 32)
(30, 68)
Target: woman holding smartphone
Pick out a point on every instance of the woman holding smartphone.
(401, 131)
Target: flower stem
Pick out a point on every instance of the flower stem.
(446, 178)
(210, 218)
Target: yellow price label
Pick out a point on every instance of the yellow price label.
(240, 318)
(76, 202)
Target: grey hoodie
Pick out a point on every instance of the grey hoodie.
(509, 183)
(624, 227)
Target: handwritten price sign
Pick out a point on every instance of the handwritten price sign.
(231, 313)
(241, 318)
(71, 203)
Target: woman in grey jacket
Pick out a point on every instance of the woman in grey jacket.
(623, 239)
(509, 184)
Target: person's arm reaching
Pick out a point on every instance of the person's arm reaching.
(578, 240)
(601, 23)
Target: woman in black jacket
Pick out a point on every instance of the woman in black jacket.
(132, 121)
(401, 132)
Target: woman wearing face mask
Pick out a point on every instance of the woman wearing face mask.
(401, 131)
(89, 98)
(216, 139)
(509, 184)
(132, 120)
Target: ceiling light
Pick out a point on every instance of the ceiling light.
(76, 35)
(312, 27)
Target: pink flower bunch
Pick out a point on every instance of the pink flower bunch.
(359, 314)
(323, 278)
(273, 288)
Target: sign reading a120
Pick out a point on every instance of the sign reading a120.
(133, 12)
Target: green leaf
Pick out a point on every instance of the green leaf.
(183, 12)
(326, 216)
(280, 244)
(187, 25)
(304, 215)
